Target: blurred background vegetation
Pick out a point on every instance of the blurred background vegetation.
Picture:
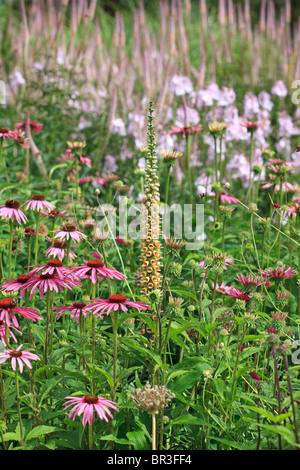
(152, 6)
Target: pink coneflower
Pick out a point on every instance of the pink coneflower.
(276, 164)
(76, 309)
(7, 134)
(225, 198)
(99, 181)
(87, 405)
(185, 130)
(38, 203)
(59, 250)
(11, 210)
(13, 285)
(279, 272)
(287, 187)
(255, 376)
(252, 125)
(222, 289)
(85, 160)
(45, 282)
(85, 180)
(238, 294)
(10, 333)
(34, 127)
(114, 302)
(69, 232)
(293, 209)
(95, 270)
(19, 357)
(53, 266)
(252, 281)
(9, 306)
(21, 138)
(54, 213)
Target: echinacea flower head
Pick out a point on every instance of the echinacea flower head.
(11, 211)
(49, 282)
(279, 272)
(8, 308)
(184, 131)
(171, 155)
(3, 328)
(238, 294)
(94, 270)
(250, 281)
(113, 303)
(76, 145)
(217, 128)
(59, 250)
(87, 405)
(38, 203)
(21, 138)
(251, 125)
(216, 260)
(34, 126)
(68, 232)
(7, 134)
(14, 285)
(19, 358)
(53, 266)
(54, 213)
(76, 309)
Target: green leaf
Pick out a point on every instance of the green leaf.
(11, 436)
(40, 431)
(106, 375)
(235, 445)
(189, 419)
(138, 439)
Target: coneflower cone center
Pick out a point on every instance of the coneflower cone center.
(23, 278)
(79, 305)
(38, 197)
(47, 276)
(59, 244)
(12, 204)
(29, 231)
(7, 303)
(91, 399)
(95, 264)
(117, 299)
(15, 353)
(69, 228)
(3, 130)
(54, 263)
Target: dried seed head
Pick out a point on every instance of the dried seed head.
(152, 399)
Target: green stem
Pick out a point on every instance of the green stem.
(19, 406)
(115, 340)
(37, 238)
(188, 164)
(10, 248)
(1, 152)
(77, 177)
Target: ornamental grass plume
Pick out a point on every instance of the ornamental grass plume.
(151, 254)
